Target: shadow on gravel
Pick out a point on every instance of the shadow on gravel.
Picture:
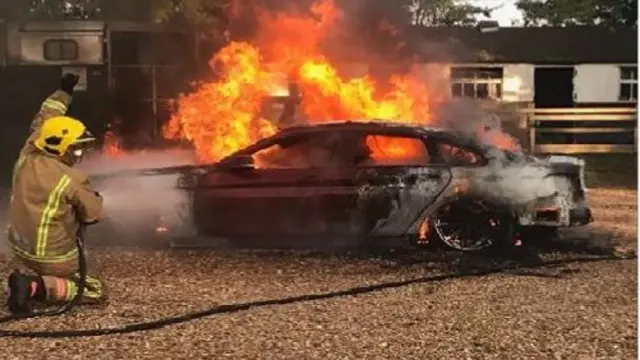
(562, 250)
(567, 245)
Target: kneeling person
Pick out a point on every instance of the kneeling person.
(50, 203)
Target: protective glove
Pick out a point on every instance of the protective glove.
(68, 82)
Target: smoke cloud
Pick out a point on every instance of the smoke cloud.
(512, 177)
(514, 183)
(470, 118)
(137, 208)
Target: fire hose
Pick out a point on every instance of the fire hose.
(237, 307)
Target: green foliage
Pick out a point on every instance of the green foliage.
(200, 13)
(47, 9)
(21, 10)
(447, 13)
(611, 13)
(197, 12)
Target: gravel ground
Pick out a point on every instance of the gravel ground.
(576, 311)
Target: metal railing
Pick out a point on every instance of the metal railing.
(582, 130)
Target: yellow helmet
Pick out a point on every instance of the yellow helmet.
(59, 133)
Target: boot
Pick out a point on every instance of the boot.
(22, 289)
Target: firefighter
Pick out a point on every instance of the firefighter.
(50, 203)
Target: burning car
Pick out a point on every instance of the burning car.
(377, 181)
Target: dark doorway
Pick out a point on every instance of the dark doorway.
(553, 87)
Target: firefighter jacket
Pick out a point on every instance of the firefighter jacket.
(49, 202)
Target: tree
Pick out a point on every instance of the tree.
(24, 10)
(610, 13)
(48, 9)
(447, 12)
(200, 13)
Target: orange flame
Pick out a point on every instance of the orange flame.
(423, 233)
(221, 117)
(327, 96)
(386, 147)
(224, 116)
(111, 146)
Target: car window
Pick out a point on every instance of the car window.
(298, 152)
(453, 154)
(382, 150)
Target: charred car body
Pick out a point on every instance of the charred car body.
(371, 180)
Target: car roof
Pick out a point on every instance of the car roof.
(381, 126)
(373, 125)
(362, 125)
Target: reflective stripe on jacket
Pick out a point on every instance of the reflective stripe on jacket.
(56, 104)
(49, 201)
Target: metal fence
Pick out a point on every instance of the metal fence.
(582, 130)
(142, 95)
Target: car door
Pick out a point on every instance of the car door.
(395, 183)
(276, 195)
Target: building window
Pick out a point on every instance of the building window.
(60, 50)
(476, 82)
(628, 83)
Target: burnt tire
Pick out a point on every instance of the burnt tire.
(473, 225)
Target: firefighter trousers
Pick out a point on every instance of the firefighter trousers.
(60, 281)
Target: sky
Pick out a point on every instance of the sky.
(505, 13)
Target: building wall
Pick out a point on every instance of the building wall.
(517, 79)
(593, 83)
(597, 83)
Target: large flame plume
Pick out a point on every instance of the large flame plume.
(225, 115)
(221, 117)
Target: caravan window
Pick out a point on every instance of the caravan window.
(60, 50)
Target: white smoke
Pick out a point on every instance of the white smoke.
(473, 118)
(513, 182)
(99, 163)
(136, 207)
